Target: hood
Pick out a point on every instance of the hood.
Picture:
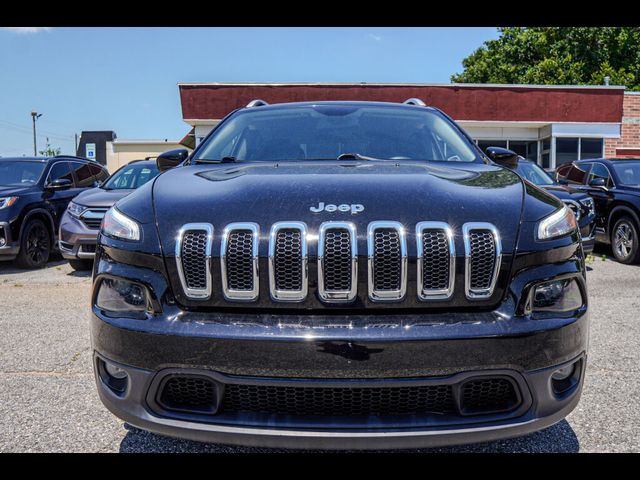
(99, 197)
(7, 191)
(634, 189)
(266, 193)
(565, 192)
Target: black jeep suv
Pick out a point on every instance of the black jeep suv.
(614, 185)
(343, 275)
(34, 193)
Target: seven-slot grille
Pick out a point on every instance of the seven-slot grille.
(337, 261)
(239, 261)
(288, 261)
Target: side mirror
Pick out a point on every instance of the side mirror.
(59, 184)
(172, 158)
(503, 156)
(598, 182)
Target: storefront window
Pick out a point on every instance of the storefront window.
(545, 153)
(591, 148)
(566, 150)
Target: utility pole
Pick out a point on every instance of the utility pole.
(76, 152)
(35, 115)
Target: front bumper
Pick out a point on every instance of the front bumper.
(9, 248)
(75, 239)
(230, 350)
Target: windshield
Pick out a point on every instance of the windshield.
(131, 177)
(325, 131)
(628, 172)
(533, 173)
(20, 173)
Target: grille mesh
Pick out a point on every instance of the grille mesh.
(189, 393)
(288, 259)
(193, 254)
(483, 250)
(488, 394)
(387, 260)
(240, 260)
(327, 401)
(337, 260)
(435, 260)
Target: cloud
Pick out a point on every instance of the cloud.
(376, 38)
(27, 30)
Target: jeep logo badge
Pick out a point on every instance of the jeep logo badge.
(353, 208)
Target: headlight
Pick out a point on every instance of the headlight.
(117, 225)
(6, 202)
(122, 297)
(575, 208)
(588, 204)
(557, 224)
(556, 296)
(75, 209)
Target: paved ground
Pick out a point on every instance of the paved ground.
(48, 400)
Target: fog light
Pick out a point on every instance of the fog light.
(115, 371)
(113, 376)
(564, 372)
(122, 297)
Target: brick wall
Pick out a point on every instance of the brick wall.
(629, 142)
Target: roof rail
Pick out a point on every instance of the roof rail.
(256, 103)
(414, 101)
(76, 156)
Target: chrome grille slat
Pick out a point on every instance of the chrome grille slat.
(387, 262)
(239, 261)
(337, 262)
(483, 256)
(193, 259)
(288, 261)
(435, 260)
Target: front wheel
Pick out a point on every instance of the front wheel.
(624, 241)
(35, 245)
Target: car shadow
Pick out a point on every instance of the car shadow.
(9, 267)
(559, 438)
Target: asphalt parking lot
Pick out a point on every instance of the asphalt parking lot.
(48, 400)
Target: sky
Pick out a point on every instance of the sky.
(125, 79)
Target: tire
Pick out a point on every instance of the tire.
(35, 245)
(625, 241)
(81, 264)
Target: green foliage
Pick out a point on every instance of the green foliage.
(50, 152)
(557, 55)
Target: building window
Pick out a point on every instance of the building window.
(566, 150)
(591, 148)
(545, 153)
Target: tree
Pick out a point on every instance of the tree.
(557, 56)
(49, 151)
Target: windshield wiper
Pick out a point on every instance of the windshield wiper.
(222, 160)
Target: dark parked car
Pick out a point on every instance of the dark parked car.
(34, 193)
(614, 185)
(81, 222)
(341, 275)
(581, 203)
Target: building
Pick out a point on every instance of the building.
(549, 124)
(93, 145)
(120, 152)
